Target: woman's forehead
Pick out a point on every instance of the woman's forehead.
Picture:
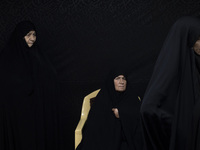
(120, 76)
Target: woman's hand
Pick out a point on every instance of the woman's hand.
(116, 112)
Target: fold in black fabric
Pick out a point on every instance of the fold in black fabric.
(29, 96)
(173, 92)
(103, 131)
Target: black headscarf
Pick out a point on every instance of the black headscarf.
(29, 95)
(115, 96)
(103, 131)
(167, 108)
(15, 59)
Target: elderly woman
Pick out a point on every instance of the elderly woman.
(28, 94)
(113, 122)
(169, 109)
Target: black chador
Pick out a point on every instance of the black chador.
(103, 131)
(28, 95)
(169, 109)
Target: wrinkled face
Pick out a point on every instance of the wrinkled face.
(30, 38)
(120, 83)
(197, 47)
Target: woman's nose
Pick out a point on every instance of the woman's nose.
(121, 81)
(32, 38)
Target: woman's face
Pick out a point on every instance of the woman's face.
(30, 38)
(120, 83)
(197, 47)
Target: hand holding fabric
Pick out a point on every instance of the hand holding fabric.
(116, 112)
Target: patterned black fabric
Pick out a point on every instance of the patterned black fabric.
(83, 37)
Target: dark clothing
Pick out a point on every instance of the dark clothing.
(28, 97)
(172, 94)
(103, 131)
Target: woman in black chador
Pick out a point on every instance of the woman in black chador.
(170, 108)
(28, 94)
(113, 122)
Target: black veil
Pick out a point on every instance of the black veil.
(29, 98)
(103, 131)
(168, 104)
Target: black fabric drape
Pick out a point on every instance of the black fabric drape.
(29, 98)
(171, 96)
(103, 131)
